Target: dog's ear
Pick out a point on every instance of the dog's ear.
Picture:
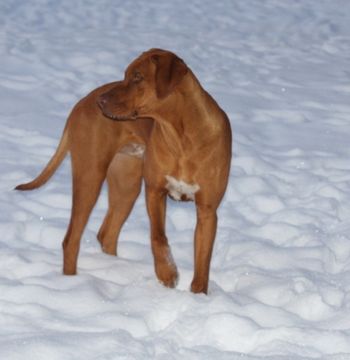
(170, 70)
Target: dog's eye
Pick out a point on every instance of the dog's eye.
(137, 77)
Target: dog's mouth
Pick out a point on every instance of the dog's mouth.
(132, 116)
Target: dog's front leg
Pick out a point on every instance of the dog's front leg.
(203, 247)
(164, 264)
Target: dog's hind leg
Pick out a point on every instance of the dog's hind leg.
(87, 184)
(124, 179)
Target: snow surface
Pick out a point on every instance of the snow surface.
(280, 276)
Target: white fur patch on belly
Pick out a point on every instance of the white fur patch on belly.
(178, 188)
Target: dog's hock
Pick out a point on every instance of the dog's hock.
(178, 188)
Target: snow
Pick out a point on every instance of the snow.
(280, 275)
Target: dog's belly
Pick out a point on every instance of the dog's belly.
(180, 190)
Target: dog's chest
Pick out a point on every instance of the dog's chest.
(180, 190)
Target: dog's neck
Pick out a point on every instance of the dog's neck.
(200, 122)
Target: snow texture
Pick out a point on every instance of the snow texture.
(280, 275)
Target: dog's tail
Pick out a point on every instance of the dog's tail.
(51, 167)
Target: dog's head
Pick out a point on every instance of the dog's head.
(148, 81)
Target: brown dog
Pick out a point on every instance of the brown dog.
(99, 148)
(188, 154)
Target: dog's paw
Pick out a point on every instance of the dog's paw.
(165, 266)
(167, 272)
(110, 250)
(69, 271)
(168, 275)
(199, 287)
(108, 246)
